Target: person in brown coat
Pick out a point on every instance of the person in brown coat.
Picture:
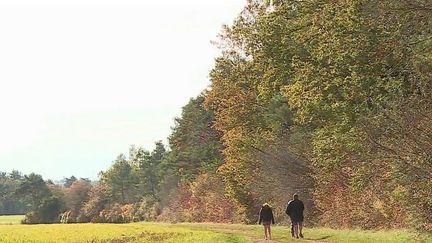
(266, 218)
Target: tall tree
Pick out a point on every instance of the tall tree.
(76, 195)
(120, 176)
(10, 202)
(332, 68)
(69, 181)
(34, 188)
(195, 144)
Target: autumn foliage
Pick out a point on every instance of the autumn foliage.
(329, 99)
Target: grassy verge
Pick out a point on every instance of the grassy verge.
(11, 219)
(185, 232)
(283, 234)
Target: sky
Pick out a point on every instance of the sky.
(82, 80)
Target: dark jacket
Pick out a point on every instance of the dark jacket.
(295, 210)
(266, 214)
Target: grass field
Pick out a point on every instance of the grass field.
(11, 219)
(184, 232)
(282, 234)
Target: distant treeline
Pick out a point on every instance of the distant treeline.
(331, 99)
(10, 202)
(176, 185)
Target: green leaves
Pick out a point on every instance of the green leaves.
(195, 144)
(315, 75)
(122, 178)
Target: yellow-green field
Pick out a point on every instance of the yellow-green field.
(208, 232)
(137, 232)
(11, 219)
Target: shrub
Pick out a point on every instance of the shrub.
(202, 200)
(47, 212)
(148, 209)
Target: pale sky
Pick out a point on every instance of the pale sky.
(82, 80)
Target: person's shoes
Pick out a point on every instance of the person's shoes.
(301, 235)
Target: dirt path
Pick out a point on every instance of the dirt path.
(274, 241)
(255, 234)
(292, 240)
(265, 241)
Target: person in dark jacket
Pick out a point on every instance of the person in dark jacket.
(266, 218)
(295, 210)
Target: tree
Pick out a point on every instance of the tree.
(195, 145)
(308, 81)
(34, 188)
(149, 169)
(76, 196)
(47, 212)
(69, 181)
(120, 176)
(10, 203)
(99, 199)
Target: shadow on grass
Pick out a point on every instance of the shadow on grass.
(319, 238)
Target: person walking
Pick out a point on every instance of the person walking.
(266, 218)
(295, 210)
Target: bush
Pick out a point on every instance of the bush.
(148, 209)
(47, 212)
(117, 213)
(98, 201)
(202, 200)
(110, 215)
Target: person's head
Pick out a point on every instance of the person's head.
(295, 196)
(265, 205)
